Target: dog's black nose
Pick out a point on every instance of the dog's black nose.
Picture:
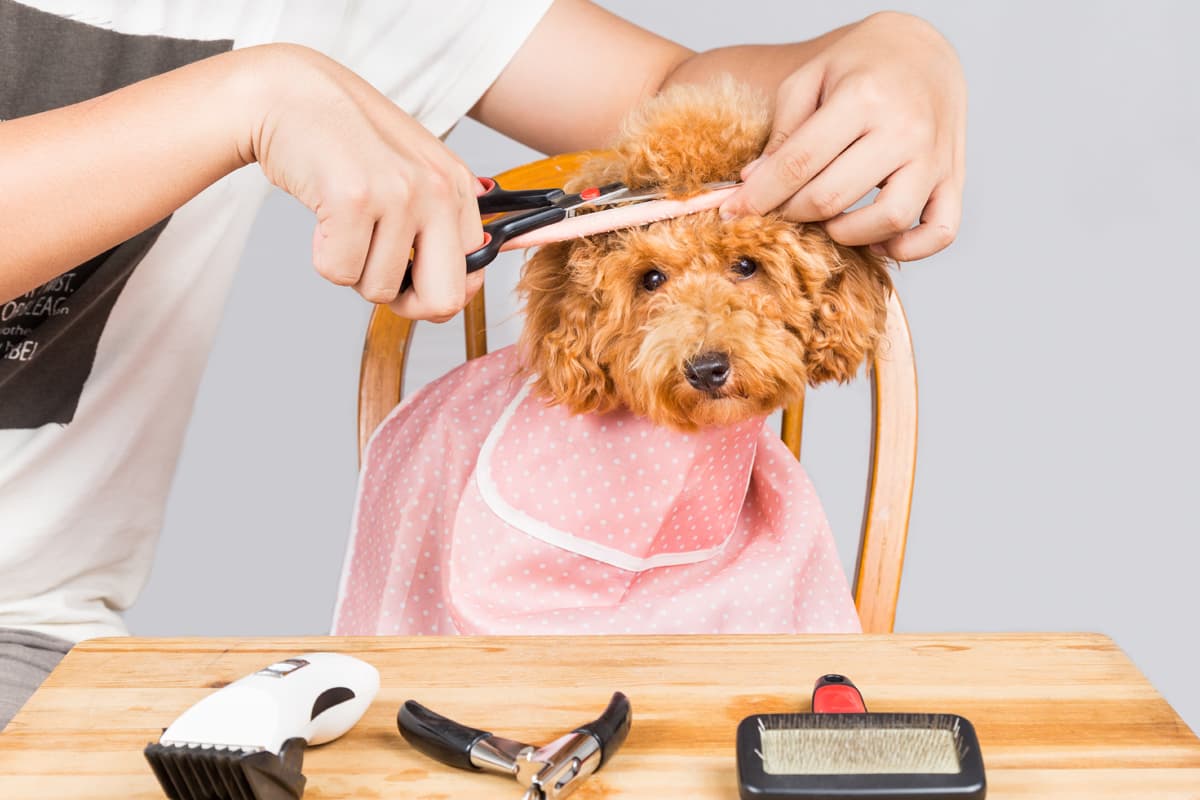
(708, 371)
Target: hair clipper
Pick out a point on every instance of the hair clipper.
(246, 741)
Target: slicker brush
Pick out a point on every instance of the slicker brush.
(842, 751)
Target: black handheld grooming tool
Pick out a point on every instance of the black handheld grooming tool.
(551, 772)
(842, 752)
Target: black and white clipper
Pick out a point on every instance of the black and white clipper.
(246, 741)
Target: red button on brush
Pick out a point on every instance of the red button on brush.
(590, 194)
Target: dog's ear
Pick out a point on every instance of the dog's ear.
(686, 136)
(558, 340)
(849, 313)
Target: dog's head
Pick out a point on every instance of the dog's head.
(696, 321)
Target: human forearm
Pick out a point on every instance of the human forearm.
(80, 179)
(576, 77)
(763, 66)
(584, 68)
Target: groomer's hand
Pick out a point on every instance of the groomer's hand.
(379, 184)
(883, 103)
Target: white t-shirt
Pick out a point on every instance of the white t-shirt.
(99, 368)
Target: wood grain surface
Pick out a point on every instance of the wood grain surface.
(1058, 715)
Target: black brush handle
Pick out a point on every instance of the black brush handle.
(438, 737)
(611, 727)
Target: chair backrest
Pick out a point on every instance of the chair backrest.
(893, 376)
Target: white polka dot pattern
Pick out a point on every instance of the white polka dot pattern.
(430, 555)
(614, 486)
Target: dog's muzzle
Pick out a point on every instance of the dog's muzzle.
(707, 371)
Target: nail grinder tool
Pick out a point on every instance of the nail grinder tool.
(246, 741)
(841, 751)
(551, 772)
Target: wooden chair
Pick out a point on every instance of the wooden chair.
(894, 412)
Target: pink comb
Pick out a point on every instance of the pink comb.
(615, 219)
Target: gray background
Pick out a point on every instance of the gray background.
(1055, 344)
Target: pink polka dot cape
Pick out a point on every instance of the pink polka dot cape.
(483, 510)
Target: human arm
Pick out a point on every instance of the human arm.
(881, 101)
(376, 180)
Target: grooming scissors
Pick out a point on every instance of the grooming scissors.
(526, 210)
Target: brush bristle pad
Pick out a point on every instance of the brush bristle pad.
(827, 744)
(864, 752)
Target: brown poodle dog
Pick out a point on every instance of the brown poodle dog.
(628, 483)
(696, 321)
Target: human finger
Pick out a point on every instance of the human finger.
(387, 259)
(893, 211)
(808, 151)
(470, 227)
(937, 229)
(342, 237)
(854, 173)
(438, 272)
(796, 100)
(474, 284)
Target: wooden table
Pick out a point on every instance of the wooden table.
(1058, 716)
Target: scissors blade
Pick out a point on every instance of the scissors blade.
(599, 195)
(628, 196)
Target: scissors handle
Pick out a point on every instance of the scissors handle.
(541, 208)
(496, 233)
(495, 200)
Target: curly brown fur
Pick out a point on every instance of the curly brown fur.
(685, 137)
(597, 336)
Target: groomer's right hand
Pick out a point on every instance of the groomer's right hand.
(379, 183)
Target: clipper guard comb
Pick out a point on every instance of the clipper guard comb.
(197, 772)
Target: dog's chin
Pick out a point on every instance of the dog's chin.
(688, 409)
(715, 409)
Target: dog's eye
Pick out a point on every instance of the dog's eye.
(652, 279)
(745, 267)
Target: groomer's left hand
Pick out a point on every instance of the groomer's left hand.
(883, 103)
